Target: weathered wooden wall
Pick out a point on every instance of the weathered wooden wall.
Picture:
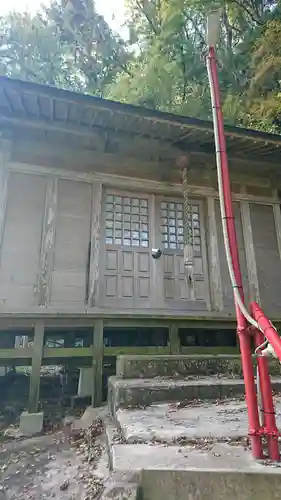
(62, 249)
(22, 232)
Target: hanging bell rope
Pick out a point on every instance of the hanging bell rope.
(187, 237)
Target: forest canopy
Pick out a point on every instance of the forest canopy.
(162, 63)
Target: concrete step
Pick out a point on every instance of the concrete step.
(128, 393)
(200, 470)
(172, 422)
(177, 366)
(210, 484)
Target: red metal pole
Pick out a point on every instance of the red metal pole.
(242, 326)
(270, 428)
(269, 331)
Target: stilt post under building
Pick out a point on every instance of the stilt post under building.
(97, 363)
(37, 353)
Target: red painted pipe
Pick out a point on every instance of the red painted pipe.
(242, 326)
(269, 331)
(270, 428)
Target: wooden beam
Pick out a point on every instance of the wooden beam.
(151, 350)
(48, 244)
(226, 323)
(138, 184)
(117, 320)
(241, 169)
(22, 354)
(208, 350)
(214, 258)
(97, 363)
(55, 319)
(94, 274)
(250, 251)
(37, 352)
(67, 352)
(174, 339)
(16, 353)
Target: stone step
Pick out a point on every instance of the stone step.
(129, 393)
(207, 471)
(211, 484)
(176, 366)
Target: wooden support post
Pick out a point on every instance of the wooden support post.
(97, 363)
(37, 352)
(93, 297)
(174, 339)
(48, 244)
(215, 274)
(250, 251)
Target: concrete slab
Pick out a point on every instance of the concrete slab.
(31, 423)
(121, 492)
(202, 454)
(169, 422)
(125, 393)
(208, 456)
(177, 366)
(209, 485)
(198, 473)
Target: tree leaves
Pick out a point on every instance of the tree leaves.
(169, 72)
(67, 45)
(162, 66)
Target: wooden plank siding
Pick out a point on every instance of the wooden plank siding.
(71, 253)
(20, 251)
(56, 251)
(227, 293)
(267, 253)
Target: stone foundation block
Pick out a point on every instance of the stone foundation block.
(31, 423)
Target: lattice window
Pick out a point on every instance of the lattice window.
(126, 221)
(172, 225)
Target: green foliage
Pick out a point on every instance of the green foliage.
(67, 45)
(162, 66)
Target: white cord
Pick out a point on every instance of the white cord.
(237, 296)
(222, 209)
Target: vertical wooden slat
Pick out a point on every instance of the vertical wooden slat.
(37, 352)
(94, 272)
(277, 221)
(157, 274)
(97, 363)
(174, 339)
(250, 251)
(48, 244)
(4, 160)
(205, 258)
(214, 261)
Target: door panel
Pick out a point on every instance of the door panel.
(126, 262)
(177, 292)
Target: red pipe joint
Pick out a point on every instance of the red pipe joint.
(268, 330)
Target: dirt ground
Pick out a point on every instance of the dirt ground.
(60, 465)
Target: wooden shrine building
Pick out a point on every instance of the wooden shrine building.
(88, 187)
